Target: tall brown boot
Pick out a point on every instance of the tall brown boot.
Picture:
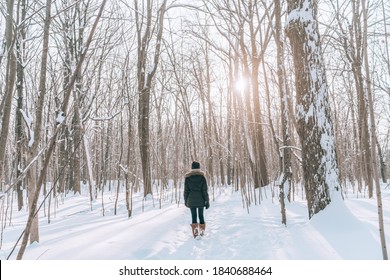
(195, 230)
(202, 228)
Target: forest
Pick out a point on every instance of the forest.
(124, 95)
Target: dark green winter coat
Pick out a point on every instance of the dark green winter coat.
(195, 189)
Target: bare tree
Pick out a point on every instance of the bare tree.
(284, 96)
(35, 141)
(240, 23)
(51, 145)
(373, 132)
(352, 44)
(146, 69)
(19, 135)
(10, 37)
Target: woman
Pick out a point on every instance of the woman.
(196, 197)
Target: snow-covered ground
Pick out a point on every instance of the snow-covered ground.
(346, 230)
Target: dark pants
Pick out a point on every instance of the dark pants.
(197, 212)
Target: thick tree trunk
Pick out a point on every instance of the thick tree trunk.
(314, 123)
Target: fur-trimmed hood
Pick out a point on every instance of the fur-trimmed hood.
(194, 172)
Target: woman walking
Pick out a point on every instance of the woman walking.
(196, 197)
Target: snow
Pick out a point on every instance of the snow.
(345, 230)
(300, 14)
(29, 122)
(318, 109)
(60, 118)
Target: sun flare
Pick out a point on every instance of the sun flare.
(240, 84)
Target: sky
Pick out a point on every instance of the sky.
(346, 230)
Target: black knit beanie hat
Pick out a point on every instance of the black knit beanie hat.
(195, 165)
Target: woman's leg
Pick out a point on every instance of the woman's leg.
(194, 215)
(201, 216)
(194, 225)
(202, 225)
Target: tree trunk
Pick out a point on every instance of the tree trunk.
(382, 163)
(314, 123)
(283, 95)
(10, 38)
(19, 135)
(31, 183)
(260, 162)
(251, 64)
(129, 186)
(145, 75)
(76, 166)
(119, 165)
(229, 136)
(373, 133)
(353, 49)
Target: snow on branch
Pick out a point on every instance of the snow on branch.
(29, 123)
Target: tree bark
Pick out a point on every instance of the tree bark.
(283, 95)
(19, 135)
(314, 123)
(31, 182)
(373, 133)
(145, 75)
(10, 38)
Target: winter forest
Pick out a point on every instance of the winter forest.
(278, 100)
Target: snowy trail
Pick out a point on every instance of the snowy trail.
(232, 232)
(344, 231)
